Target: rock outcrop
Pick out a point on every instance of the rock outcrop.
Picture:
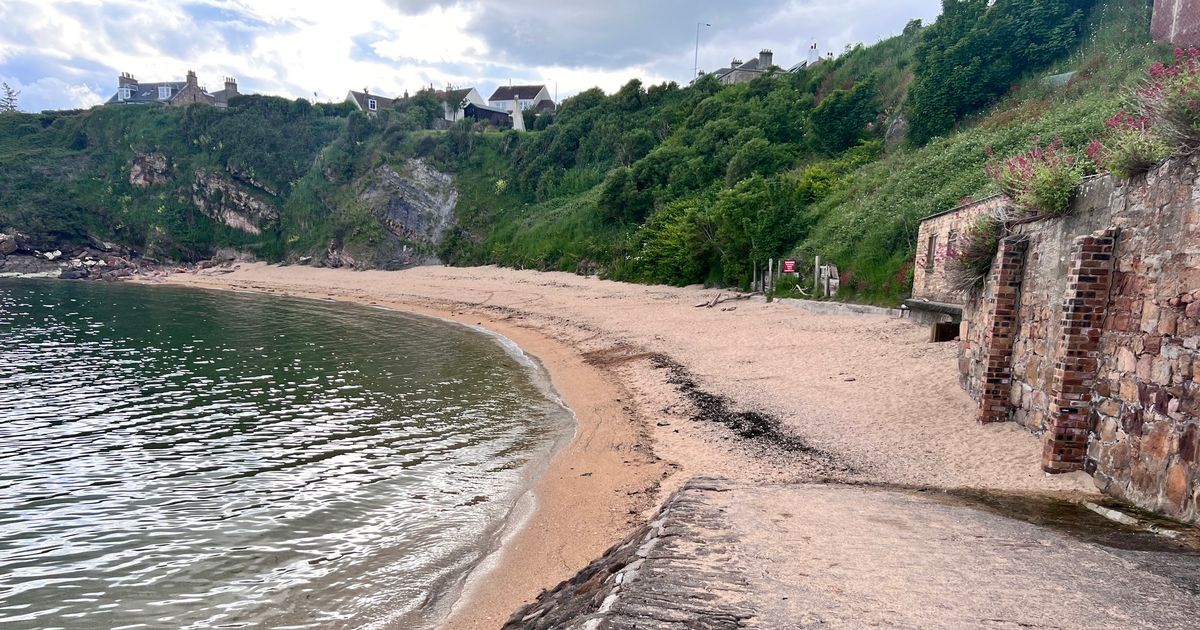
(415, 205)
(223, 200)
(148, 169)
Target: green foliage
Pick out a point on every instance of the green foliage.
(1041, 180)
(840, 121)
(971, 263)
(977, 49)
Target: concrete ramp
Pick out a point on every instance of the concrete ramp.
(724, 555)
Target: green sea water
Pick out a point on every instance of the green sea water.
(174, 458)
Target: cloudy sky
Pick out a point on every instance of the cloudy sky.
(65, 54)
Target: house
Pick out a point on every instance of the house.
(739, 72)
(130, 91)
(527, 96)
(486, 113)
(814, 58)
(454, 102)
(367, 102)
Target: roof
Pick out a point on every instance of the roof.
(964, 206)
(148, 92)
(491, 110)
(522, 92)
(360, 98)
(453, 96)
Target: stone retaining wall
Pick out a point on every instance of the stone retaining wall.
(1105, 338)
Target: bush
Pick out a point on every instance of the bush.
(1171, 100)
(1041, 180)
(968, 266)
(1131, 146)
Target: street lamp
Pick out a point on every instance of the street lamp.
(696, 57)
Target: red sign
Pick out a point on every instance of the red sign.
(789, 266)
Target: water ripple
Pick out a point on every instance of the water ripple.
(190, 459)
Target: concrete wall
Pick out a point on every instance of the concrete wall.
(1105, 338)
(929, 275)
(1177, 22)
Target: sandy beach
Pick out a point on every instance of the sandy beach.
(856, 398)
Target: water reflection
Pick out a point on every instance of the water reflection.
(189, 459)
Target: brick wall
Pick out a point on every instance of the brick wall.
(1176, 22)
(1104, 350)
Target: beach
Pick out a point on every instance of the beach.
(834, 397)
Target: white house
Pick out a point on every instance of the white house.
(455, 101)
(526, 96)
(368, 102)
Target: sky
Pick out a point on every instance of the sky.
(67, 54)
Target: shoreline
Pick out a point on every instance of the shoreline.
(662, 390)
(537, 549)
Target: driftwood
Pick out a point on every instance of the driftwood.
(732, 298)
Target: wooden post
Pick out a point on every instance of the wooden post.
(817, 276)
(770, 272)
(754, 281)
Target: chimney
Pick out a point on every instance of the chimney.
(518, 116)
(125, 79)
(230, 86)
(733, 65)
(813, 55)
(765, 58)
(191, 79)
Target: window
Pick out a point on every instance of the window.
(371, 105)
(164, 92)
(125, 93)
(930, 252)
(952, 244)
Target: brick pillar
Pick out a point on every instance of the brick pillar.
(1078, 351)
(1002, 318)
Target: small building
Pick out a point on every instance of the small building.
(534, 97)
(739, 72)
(130, 91)
(367, 102)
(454, 102)
(1176, 22)
(488, 114)
(938, 237)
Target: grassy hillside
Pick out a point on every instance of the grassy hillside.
(652, 184)
(787, 165)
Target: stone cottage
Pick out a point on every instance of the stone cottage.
(739, 72)
(130, 91)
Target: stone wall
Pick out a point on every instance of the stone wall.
(1105, 338)
(936, 240)
(1176, 22)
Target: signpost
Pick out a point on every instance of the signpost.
(789, 266)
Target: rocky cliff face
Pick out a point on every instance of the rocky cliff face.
(149, 169)
(414, 204)
(223, 200)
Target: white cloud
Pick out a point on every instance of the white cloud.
(297, 48)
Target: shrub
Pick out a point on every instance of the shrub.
(968, 266)
(1131, 146)
(1171, 100)
(1041, 180)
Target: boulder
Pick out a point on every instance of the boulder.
(8, 244)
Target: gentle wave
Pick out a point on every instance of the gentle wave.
(175, 458)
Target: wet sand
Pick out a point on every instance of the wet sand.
(656, 384)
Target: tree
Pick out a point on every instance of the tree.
(978, 48)
(8, 98)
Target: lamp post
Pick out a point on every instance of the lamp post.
(696, 56)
